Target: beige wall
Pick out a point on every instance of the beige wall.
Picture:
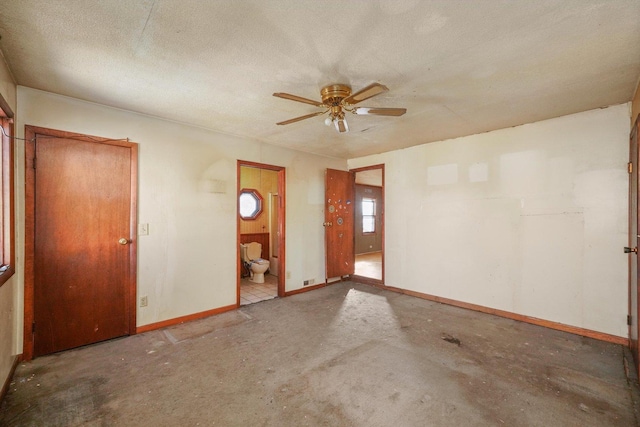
(187, 195)
(531, 219)
(10, 324)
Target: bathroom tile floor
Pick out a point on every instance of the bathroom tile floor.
(255, 292)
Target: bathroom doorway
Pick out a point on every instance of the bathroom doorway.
(261, 232)
(369, 224)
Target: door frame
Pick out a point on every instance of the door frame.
(634, 173)
(29, 224)
(370, 280)
(282, 262)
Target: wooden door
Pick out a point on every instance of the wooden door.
(339, 223)
(634, 228)
(83, 241)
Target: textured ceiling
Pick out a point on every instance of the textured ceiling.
(459, 67)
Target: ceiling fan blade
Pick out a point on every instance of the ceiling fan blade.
(366, 93)
(297, 119)
(298, 98)
(341, 125)
(381, 111)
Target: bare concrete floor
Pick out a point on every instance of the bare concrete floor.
(345, 355)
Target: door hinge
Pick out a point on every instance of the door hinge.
(629, 319)
(33, 328)
(630, 167)
(34, 163)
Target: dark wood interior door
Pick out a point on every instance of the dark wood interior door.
(339, 223)
(82, 242)
(634, 259)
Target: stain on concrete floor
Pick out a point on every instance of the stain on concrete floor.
(344, 355)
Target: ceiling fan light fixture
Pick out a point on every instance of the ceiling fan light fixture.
(341, 124)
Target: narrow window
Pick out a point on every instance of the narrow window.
(368, 215)
(7, 233)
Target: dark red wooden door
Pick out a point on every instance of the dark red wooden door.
(339, 223)
(81, 264)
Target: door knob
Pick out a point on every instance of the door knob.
(628, 250)
(123, 241)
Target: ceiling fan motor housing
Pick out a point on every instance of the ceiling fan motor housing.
(333, 95)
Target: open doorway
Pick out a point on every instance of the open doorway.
(261, 219)
(369, 223)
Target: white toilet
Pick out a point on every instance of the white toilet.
(251, 253)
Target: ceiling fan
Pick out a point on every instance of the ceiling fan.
(336, 99)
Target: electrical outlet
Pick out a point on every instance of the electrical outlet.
(305, 283)
(144, 301)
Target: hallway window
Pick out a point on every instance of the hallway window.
(368, 215)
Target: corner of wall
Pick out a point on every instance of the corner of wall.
(635, 104)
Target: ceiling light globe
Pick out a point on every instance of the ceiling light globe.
(328, 121)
